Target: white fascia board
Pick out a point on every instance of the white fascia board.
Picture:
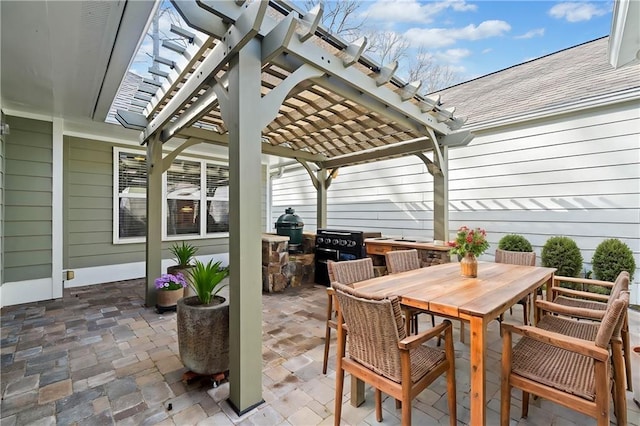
(136, 18)
(624, 41)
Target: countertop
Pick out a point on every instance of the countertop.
(416, 243)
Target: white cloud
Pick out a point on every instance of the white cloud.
(433, 38)
(442, 37)
(487, 50)
(461, 6)
(486, 29)
(538, 32)
(452, 56)
(576, 12)
(399, 11)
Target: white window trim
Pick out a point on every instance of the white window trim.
(202, 202)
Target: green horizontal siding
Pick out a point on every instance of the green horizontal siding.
(24, 244)
(27, 196)
(26, 273)
(88, 210)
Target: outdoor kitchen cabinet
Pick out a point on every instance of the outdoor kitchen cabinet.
(429, 253)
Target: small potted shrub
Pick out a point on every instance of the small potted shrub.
(184, 254)
(170, 289)
(563, 254)
(515, 242)
(515, 249)
(203, 321)
(612, 257)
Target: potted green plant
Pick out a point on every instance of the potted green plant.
(184, 255)
(469, 243)
(203, 321)
(170, 289)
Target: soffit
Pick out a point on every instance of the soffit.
(67, 58)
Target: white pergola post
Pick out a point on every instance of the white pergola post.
(241, 112)
(441, 199)
(321, 199)
(154, 217)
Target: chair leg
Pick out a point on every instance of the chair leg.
(505, 385)
(525, 405)
(327, 338)
(627, 353)
(619, 396)
(406, 413)
(525, 312)
(433, 320)
(378, 402)
(326, 350)
(451, 377)
(338, 402)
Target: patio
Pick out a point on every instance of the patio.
(97, 356)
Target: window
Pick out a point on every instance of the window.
(196, 194)
(132, 194)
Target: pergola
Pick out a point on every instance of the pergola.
(263, 77)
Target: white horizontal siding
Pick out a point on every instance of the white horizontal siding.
(577, 175)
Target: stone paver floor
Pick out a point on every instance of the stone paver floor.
(98, 357)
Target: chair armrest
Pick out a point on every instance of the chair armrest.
(582, 347)
(581, 294)
(411, 342)
(584, 281)
(572, 311)
(587, 281)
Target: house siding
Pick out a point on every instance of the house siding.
(88, 204)
(2, 183)
(27, 183)
(575, 175)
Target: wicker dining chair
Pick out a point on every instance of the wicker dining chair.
(379, 353)
(347, 273)
(524, 258)
(572, 372)
(594, 305)
(557, 322)
(401, 261)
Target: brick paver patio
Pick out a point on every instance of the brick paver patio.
(98, 356)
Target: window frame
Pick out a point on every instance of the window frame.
(202, 201)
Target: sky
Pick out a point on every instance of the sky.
(473, 38)
(476, 38)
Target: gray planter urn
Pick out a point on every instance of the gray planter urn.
(184, 270)
(203, 335)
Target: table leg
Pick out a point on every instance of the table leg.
(478, 348)
(357, 391)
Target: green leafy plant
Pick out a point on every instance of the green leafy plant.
(514, 242)
(467, 240)
(612, 257)
(563, 254)
(183, 253)
(205, 279)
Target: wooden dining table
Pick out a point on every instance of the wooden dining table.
(441, 290)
